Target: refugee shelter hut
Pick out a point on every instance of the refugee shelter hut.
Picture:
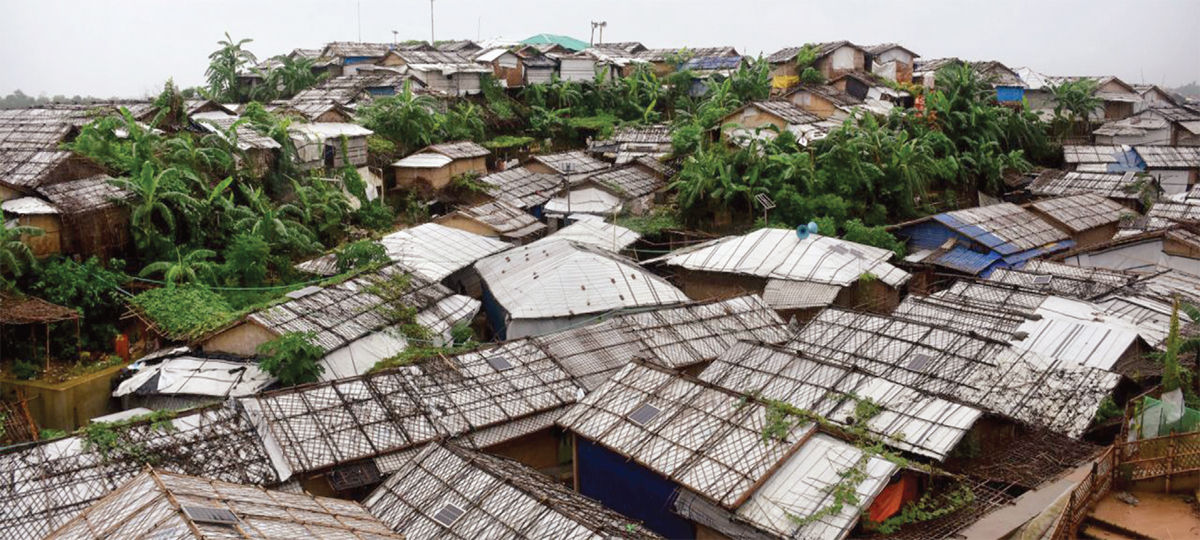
(95, 221)
(1175, 168)
(1090, 219)
(439, 71)
(598, 233)
(157, 503)
(438, 165)
(978, 240)
(320, 144)
(179, 378)
(502, 398)
(47, 484)
(832, 59)
(636, 141)
(931, 426)
(1142, 252)
(687, 337)
(538, 68)
(496, 219)
(522, 187)
(650, 443)
(1163, 215)
(974, 370)
(260, 150)
(445, 254)
(754, 121)
(506, 66)
(357, 322)
(1103, 158)
(585, 197)
(447, 491)
(36, 212)
(892, 61)
(791, 273)
(1167, 125)
(574, 165)
(824, 101)
(1120, 186)
(1064, 280)
(555, 284)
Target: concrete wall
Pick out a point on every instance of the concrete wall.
(69, 405)
(242, 340)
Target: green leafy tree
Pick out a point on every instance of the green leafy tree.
(170, 109)
(247, 260)
(273, 223)
(293, 358)
(360, 254)
(160, 202)
(93, 289)
(224, 64)
(1074, 100)
(406, 118)
(15, 253)
(194, 267)
(463, 122)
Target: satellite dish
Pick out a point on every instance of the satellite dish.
(802, 232)
(812, 227)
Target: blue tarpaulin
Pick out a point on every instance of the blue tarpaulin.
(963, 259)
(635, 491)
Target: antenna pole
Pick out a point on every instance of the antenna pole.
(359, 7)
(432, 40)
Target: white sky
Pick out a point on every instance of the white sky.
(128, 48)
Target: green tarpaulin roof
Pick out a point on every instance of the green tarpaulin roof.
(566, 41)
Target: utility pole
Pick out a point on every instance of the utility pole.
(432, 40)
(395, 38)
(358, 5)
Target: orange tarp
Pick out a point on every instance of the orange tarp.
(892, 498)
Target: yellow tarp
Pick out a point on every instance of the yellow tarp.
(785, 81)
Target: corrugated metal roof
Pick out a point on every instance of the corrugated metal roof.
(630, 182)
(598, 233)
(585, 200)
(459, 149)
(781, 254)
(490, 495)
(560, 278)
(507, 219)
(86, 194)
(964, 259)
(435, 251)
(577, 161)
(1170, 157)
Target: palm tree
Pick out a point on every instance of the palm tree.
(191, 268)
(464, 121)
(1078, 99)
(405, 118)
(15, 254)
(320, 206)
(272, 223)
(158, 202)
(223, 68)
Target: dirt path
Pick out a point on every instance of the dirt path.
(1157, 515)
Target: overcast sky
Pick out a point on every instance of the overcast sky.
(129, 47)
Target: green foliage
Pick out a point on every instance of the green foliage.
(462, 333)
(468, 182)
(360, 254)
(1108, 409)
(26, 370)
(47, 434)
(375, 216)
(194, 267)
(876, 236)
(1075, 100)
(224, 65)
(246, 260)
(807, 56)
(109, 438)
(602, 124)
(285, 80)
(1175, 375)
(659, 220)
(92, 289)
(407, 119)
(930, 506)
(811, 76)
(416, 353)
(507, 141)
(463, 122)
(293, 358)
(184, 312)
(15, 254)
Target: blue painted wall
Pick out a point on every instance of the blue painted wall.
(1009, 94)
(926, 235)
(358, 60)
(630, 489)
(495, 313)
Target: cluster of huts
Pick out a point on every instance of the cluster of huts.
(725, 389)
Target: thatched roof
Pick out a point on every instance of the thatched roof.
(92, 193)
(29, 310)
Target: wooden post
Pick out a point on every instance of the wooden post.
(1170, 461)
(575, 461)
(47, 346)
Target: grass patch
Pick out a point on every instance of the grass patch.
(184, 312)
(507, 141)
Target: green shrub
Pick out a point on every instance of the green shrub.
(359, 254)
(292, 358)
